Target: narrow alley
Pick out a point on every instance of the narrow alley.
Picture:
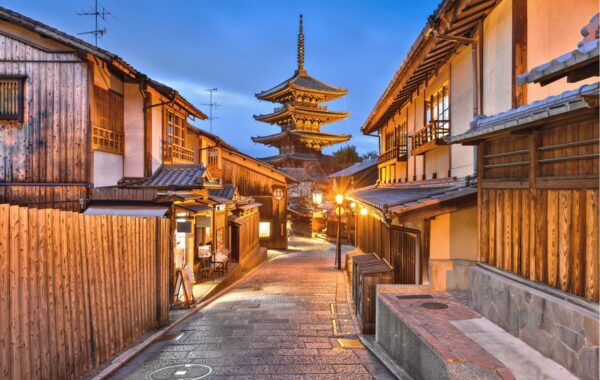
(282, 321)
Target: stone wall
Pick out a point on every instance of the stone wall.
(560, 326)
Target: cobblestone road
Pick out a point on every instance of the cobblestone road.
(280, 322)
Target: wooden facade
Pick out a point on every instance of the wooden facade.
(539, 205)
(45, 159)
(259, 181)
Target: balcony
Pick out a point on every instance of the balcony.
(399, 152)
(431, 136)
(106, 140)
(177, 154)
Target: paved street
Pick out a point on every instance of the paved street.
(281, 322)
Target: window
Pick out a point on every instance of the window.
(213, 157)
(11, 98)
(382, 175)
(108, 124)
(393, 172)
(437, 108)
(264, 229)
(175, 129)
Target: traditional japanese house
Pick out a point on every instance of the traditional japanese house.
(79, 117)
(510, 217)
(538, 206)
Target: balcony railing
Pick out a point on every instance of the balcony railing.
(430, 136)
(399, 152)
(107, 140)
(176, 153)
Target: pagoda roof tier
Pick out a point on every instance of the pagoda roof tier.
(284, 157)
(302, 83)
(312, 139)
(282, 115)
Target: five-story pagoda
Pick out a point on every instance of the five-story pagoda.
(300, 117)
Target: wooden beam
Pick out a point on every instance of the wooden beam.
(519, 51)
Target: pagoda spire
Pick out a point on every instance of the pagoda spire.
(301, 49)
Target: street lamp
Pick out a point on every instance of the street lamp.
(339, 199)
(278, 193)
(364, 211)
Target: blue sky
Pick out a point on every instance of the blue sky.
(243, 47)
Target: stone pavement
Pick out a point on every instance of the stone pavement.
(282, 321)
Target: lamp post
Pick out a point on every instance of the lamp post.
(339, 199)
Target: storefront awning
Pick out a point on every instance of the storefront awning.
(141, 211)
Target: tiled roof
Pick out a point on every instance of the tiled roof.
(356, 168)
(303, 81)
(177, 176)
(568, 101)
(385, 197)
(559, 67)
(436, 197)
(227, 192)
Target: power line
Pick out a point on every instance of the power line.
(98, 14)
(212, 105)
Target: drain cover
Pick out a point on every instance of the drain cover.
(182, 371)
(171, 336)
(350, 343)
(414, 296)
(434, 305)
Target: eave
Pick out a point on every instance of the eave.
(290, 111)
(427, 55)
(327, 91)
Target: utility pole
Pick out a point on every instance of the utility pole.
(211, 105)
(98, 14)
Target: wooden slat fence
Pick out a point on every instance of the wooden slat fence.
(76, 289)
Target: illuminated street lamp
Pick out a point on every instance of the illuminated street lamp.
(317, 197)
(278, 193)
(364, 211)
(339, 199)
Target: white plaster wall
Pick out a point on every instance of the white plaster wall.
(439, 241)
(156, 134)
(461, 111)
(108, 168)
(497, 59)
(437, 161)
(553, 29)
(133, 165)
(463, 234)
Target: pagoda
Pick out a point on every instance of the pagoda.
(300, 118)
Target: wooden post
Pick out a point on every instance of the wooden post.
(519, 51)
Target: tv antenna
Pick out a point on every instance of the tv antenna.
(98, 14)
(211, 105)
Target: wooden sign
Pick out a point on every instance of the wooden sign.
(184, 283)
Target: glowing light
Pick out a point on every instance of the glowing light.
(364, 211)
(317, 197)
(339, 199)
(352, 205)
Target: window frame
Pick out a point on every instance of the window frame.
(261, 233)
(19, 117)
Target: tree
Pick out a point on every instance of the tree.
(346, 155)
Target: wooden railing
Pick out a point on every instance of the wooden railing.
(430, 136)
(398, 152)
(177, 153)
(107, 140)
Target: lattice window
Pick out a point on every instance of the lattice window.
(175, 129)
(11, 98)
(437, 108)
(108, 124)
(264, 229)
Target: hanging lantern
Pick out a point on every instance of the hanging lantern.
(278, 193)
(317, 197)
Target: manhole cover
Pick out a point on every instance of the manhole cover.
(414, 296)
(434, 305)
(350, 343)
(182, 371)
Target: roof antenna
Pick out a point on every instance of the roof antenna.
(98, 14)
(301, 49)
(211, 105)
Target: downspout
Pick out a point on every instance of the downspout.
(143, 88)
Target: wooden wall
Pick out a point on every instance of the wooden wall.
(77, 289)
(247, 239)
(52, 145)
(260, 186)
(539, 206)
(400, 248)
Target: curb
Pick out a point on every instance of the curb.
(384, 357)
(128, 355)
